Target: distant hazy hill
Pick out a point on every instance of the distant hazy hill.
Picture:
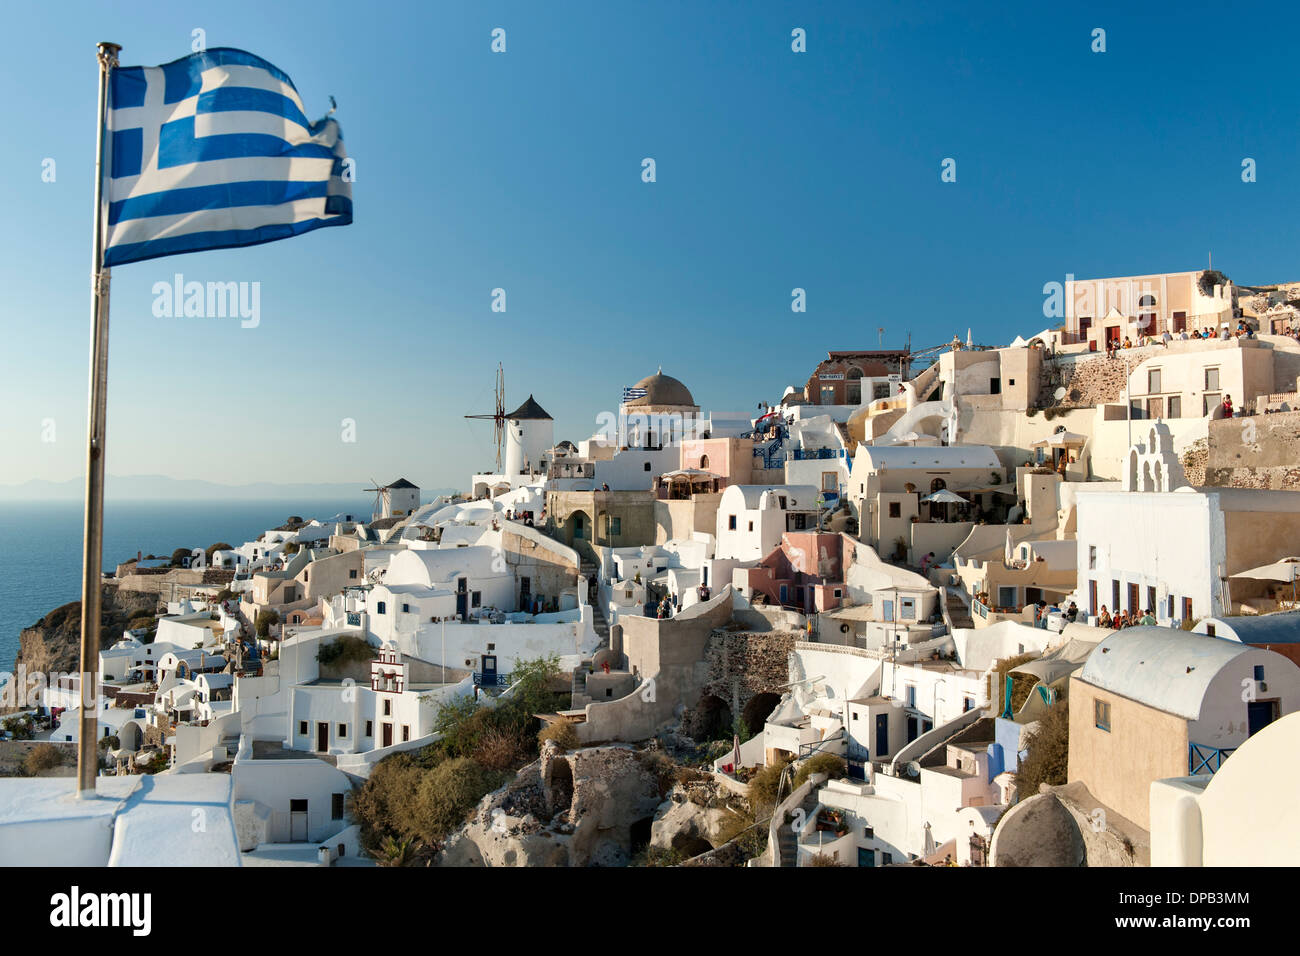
(162, 488)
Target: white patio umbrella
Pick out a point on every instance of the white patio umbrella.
(1009, 554)
(1285, 570)
(930, 845)
(945, 497)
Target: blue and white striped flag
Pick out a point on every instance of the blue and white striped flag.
(213, 151)
(630, 392)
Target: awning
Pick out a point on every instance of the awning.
(1285, 570)
(1061, 440)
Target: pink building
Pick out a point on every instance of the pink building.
(805, 572)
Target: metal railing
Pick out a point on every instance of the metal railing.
(1204, 758)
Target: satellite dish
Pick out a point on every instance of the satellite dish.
(1059, 393)
(913, 768)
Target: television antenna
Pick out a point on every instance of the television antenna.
(499, 416)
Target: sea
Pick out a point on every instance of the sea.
(40, 545)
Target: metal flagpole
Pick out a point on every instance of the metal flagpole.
(93, 540)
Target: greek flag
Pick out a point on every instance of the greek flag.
(213, 151)
(630, 392)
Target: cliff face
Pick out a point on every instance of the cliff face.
(54, 642)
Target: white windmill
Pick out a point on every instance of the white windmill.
(379, 508)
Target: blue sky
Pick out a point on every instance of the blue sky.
(522, 171)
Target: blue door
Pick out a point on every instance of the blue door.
(783, 594)
(489, 670)
(866, 857)
(1259, 714)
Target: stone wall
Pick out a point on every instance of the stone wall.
(742, 664)
(1262, 451)
(1193, 462)
(181, 582)
(1088, 382)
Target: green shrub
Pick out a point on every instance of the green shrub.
(763, 788)
(179, 556)
(1049, 752)
(385, 803)
(499, 749)
(563, 732)
(448, 793)
(219, 546)
(41, 758)
(265, 619)
(345, 649)
(819, 763)
(824, 859)
(109, 743)
(1209, 279)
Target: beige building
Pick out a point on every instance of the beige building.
(1189, 379)
(611, 519)
(1108, 311)
(1155, 702)
(992, 378)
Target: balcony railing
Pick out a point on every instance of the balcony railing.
(814, 454)
(1202, 758)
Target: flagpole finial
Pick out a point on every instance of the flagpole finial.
(107, 53)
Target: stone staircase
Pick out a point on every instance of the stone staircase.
(787, 840)
(578, 691)
(599, 621)
(955, 610)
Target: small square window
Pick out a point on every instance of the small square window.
(895, 509)
(1101, 715)
(302, 728)
(647, 466)
(343, 730)
(731, 523)
(1259, 672)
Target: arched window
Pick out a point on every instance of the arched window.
(704, 463)
(1147, 301)
(938, 485)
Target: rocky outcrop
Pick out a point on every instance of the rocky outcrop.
(585, 808)
(696, 818)
(54, 642)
